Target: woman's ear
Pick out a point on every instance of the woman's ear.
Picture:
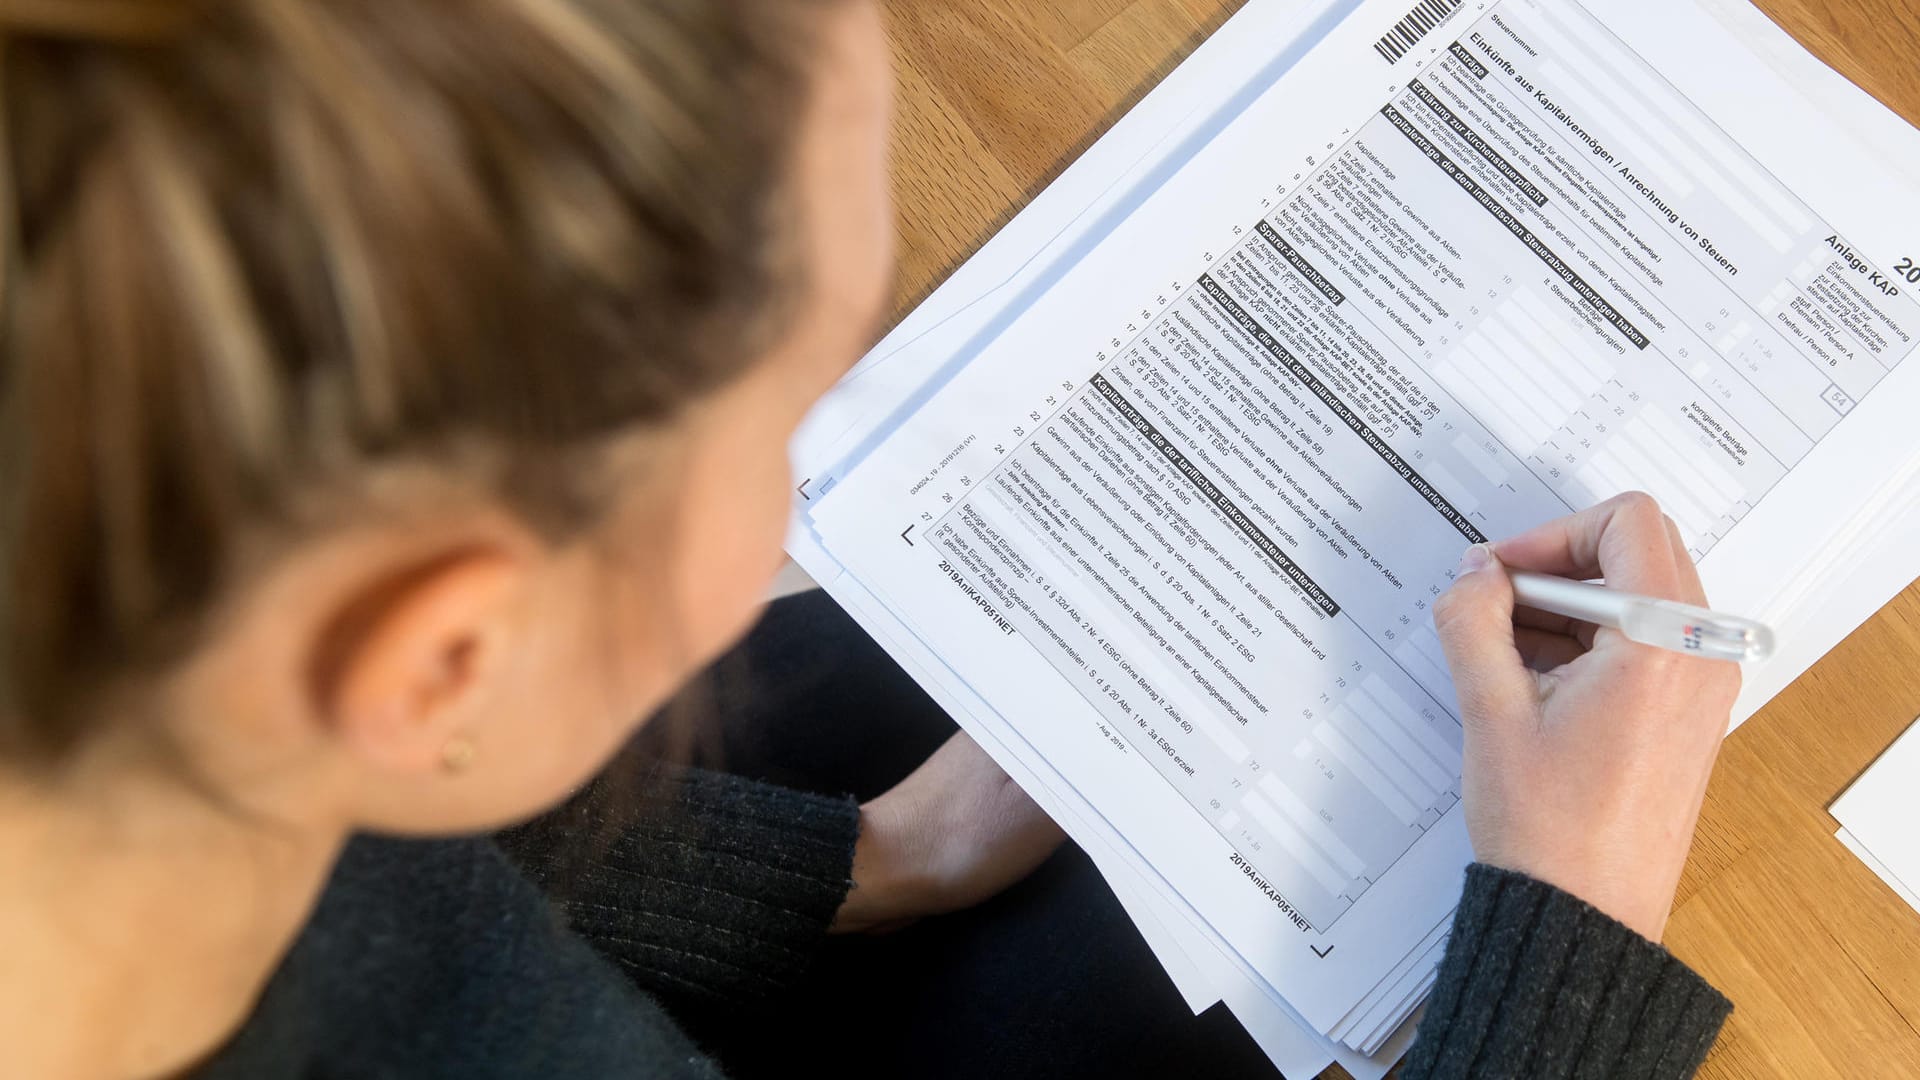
(401, 674)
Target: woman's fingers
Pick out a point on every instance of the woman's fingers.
(1691, 590)
(1624, 540)
(1544, 650)
(1474, 619)
(1628, 534)
(1557, 625)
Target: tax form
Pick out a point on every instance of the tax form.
(1177, 522)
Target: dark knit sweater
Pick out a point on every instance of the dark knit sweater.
(443, 959)
(1539, 983)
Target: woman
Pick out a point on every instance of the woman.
(395, 403)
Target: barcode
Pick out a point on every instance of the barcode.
(1407, 33)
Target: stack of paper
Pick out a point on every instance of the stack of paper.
(1155, 493)
(1879, 817)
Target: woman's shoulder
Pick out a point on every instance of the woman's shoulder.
(438, 958)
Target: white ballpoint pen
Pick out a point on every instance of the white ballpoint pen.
(1667, 624)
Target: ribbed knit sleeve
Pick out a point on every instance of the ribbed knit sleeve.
(708, 889)
(1539, 983)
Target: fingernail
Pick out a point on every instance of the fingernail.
(1477, 557)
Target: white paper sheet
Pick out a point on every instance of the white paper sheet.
(1879, 816)
(1715, 411)
(1751, 212)
(1192, 959)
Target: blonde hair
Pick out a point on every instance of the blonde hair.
(258, 247)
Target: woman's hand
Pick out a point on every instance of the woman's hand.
(1587, 755)
(950, 835)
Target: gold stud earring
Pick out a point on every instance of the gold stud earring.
(458, 755)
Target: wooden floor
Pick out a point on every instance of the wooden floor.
(1822, 960)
